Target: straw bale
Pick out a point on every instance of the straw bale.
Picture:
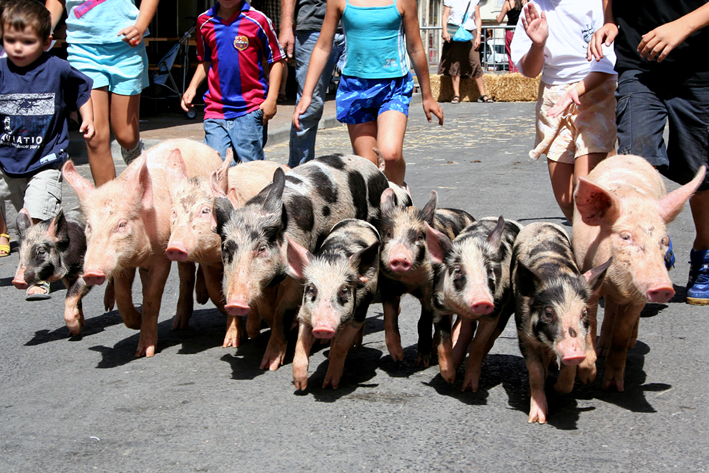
(504, 87)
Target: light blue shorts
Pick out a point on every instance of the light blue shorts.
(363, 100)
(118, 66)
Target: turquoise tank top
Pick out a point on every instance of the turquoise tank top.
(375, 43)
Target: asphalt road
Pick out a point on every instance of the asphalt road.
(87, 404)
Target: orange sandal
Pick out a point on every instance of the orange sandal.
(5, 249)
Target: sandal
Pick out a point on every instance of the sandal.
(456, 99)
(485, 99)
(40, 296)
(5, 249)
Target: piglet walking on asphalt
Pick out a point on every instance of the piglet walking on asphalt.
(473, 281)
(52, 250)
(340, 281)
(551, 311)
(128, 227)
(622, 212)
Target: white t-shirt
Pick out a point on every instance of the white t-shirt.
(458, 9)
(571, 24)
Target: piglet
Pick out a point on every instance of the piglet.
(551, 308)
(622, 212)
(473, 281)
(52, 250)
(340, 281)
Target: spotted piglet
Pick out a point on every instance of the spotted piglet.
(552, 298)
(406, 267)
(340, 281)
(473, 282)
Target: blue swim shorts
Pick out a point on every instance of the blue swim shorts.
(363, 100)
(118, 66)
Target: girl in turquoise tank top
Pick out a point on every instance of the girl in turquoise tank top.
(376, 85)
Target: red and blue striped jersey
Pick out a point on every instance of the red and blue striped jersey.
(237, 48)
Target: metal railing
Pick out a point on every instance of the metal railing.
(493, 55)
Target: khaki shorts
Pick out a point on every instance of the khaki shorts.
(40, 194)
(583, 129)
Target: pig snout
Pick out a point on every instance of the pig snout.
(176, 251)
(482, 308)
(479, 300)
(399, 260)
(237, 306)
(94, 278)
(19, 280)
(322, 331)
(571, 351)
(660, 294)
(325, 321)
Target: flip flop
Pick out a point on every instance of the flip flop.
(39, 296)
(5, 249)
(485, 99)
(456, 99)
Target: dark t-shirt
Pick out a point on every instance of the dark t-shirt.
(686, 64)
(310, 15)
(34, 102)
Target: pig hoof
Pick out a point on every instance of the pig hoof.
(537, 413)
(586, 372)
(471, 384)
(396, 352)
(614, 379)
(333, 383)
(301, 383)
(423, 359)
(273, 358)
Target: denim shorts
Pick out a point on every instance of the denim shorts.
(40, 194)
(645, 105)
(245, 135)
(118, 66)
(363, 100)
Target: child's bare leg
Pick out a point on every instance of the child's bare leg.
(99, 147)
(390, 141)
(585, 164)
(125, 124)
(562, 179)
(481, 85)
(363, 137)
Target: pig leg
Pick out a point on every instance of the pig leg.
(213, 276)
(565, 382)
(200, 288)
(357, 341)
(301, 358)
(153, 280)
(109, 296)
(425, 345)
(538, 400)
(123, 286)
(460, 346)
(478, 350)
(626, 318)
(290, 293)
(185, 302)
(391, 328)
(73, 312)
(609, 315)
(338, 353)
(586, 371)
(634, 336)
(445, 348)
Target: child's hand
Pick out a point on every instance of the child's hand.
(658, 43)
(535, 25)
(132, 35)
(300, 109)
(603, 35)
(269, 108)
(87, 129)
(430, 106)
(571, 95)
(187, 98)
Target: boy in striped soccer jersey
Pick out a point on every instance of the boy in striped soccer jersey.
(234, 41)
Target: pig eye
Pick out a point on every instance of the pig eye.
(625, 236)
(388, 234)
(122, 224)
(41, 251)
(548, 315)
(666, 241)
(421, 236)
(206, 210)
(261, 249)
(457, 271)
(310, 290)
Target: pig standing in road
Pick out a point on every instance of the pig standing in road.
(551, 310)
(52, 250)
(340, 281)
(406, 267)
(622, 211)
(304, 204)
(128, 227)
(474, 282)
(191, 235)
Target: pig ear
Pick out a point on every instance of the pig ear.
(526, 280)
(671, 204)
(430, 208)
(175, 167)
(274, 198)
(145, 183)
(495, 237)
(438, 243)
(366, 262)
(219, 179)
(58, 228)
(594, 277)
(234, 197)
(381, 163)
(81, 186)
(298, 259)
(387, 201)
(23, 222)
(595, 203)
(221, 214)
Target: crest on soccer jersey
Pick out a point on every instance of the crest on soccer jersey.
(241, 42)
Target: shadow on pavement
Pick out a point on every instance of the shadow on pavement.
(92, 326)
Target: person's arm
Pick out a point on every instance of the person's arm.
(573, 94)
(478, 28)
(660, 42)
(285, 35)
(87, 120)
(318, 58)
(418, 59)
(56, 8)
(505, 8)
(444, 24)
(200, 74)
(537, 29)
(604, 35)
(269, 106)
(133, 35)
